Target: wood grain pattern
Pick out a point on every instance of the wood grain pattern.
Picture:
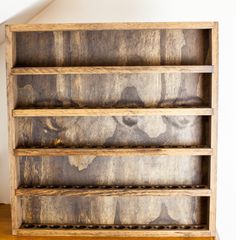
(109, 76)
(12, 141)
(137, 151)
(110, 26)
(5, 231)
(111, 70)
(112, 131)
(101, 48)
(111, 192)
(123, 171)
(164, 235)
(214, 104)
(52, 112)
(114, 90)
(109, 210)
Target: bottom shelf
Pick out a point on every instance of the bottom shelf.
(114, 230)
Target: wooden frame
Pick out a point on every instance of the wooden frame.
(16, 71)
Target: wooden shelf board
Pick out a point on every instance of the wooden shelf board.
(56, 112)
(111, 69)
(114, 233)
(139, 151)
(111, 192)
(110, 26)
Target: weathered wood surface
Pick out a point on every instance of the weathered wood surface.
(92, 170)
(101, 48)
(109, 210)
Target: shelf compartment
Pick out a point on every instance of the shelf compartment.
(100, 209)
(111, 70)
(175, 171)
(54, 112)
(133, 90)
(200, 191)
(148, 47)
(112, 151)
(129, 131)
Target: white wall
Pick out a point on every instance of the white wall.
(160, 10)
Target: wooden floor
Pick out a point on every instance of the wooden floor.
(5, 230)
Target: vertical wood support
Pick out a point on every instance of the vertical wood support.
(213, 138)
(16, 213)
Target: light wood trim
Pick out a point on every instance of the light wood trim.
(112, 69)
(111, 192)
(110, 112)
(110, 26)
(117, 233)
(14, 167)
(213, 139)
(113, 151)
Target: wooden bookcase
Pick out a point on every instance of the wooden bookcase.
(112, 128)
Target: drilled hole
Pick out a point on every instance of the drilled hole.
(132, 187)
(184, 227)
(159, 187)
(39, 186)
(80, 227)
(92, 227)
(106, 227)
(171, 227)
(67, 226)
(186, 186)
(91, 186)
(54, 226)
(159, 227)
(132, 227)
(65, 186)
(105, 187)
(41, 226)
(146, 227)
(198, 227)
(28, 225)
(199, 186)
(119, 187)
(119, 227)
(79, 186)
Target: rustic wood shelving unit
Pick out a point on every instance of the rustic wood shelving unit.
(112, 128)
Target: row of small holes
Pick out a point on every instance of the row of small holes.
(121, 187)
(118, 227)
(126, 147)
